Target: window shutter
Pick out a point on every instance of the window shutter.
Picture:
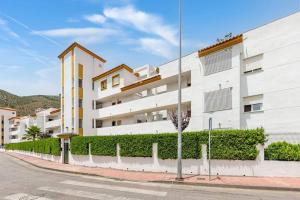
(218, 100)
(253, 63)
(217, 62)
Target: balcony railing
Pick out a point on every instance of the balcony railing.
(154, 102)
(138, 128)
(53, 124)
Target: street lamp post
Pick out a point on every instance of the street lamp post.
(179, 153)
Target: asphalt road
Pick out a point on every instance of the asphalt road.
(21, 181)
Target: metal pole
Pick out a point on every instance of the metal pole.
(179, 164)
(209, 146)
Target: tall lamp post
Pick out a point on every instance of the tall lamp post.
(179, 153)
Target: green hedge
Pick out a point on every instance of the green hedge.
(283, 151)
(226, 144)
(46, 146)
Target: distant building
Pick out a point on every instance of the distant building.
(5, 114)
(48, 120)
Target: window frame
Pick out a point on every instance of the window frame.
(113, 79)
(102, 84)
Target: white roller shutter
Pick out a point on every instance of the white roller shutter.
(218, 100)
(217, 62)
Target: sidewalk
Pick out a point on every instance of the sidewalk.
(223, 181)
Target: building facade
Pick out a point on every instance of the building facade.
(247, 81)
(5, 115)
(48, 120)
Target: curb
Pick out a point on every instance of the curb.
(167, 182)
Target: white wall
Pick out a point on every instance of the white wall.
(6, 114)
(258, 167)
(279, 82)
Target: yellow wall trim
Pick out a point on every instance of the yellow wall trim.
(80, 113)
(75, 44)
(80, 93)
(80, 131)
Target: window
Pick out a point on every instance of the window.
(80, 103)
(80, 123)
(257, 107)
(93, 85)
(247, 108)
(119, 101)
(218, 100)
(113, 103)
(116, 80)
(253, 107)
(253, 64)
(253, 103)
(98, 123)
(99, 105)
(104, 85)
(113, 123)
(80, 83)
(93, 123)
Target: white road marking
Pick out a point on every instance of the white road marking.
(163, 185)
(116, 188)
(23, 196)
(84, 194)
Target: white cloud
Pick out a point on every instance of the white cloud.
(85, 35)
(10, 67)
(95, 18)
(157, 47)
(142, 21)
(4, 27)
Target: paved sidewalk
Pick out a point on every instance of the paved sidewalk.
(224, 181)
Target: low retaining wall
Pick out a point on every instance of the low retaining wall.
(52, 158)
(258, 167)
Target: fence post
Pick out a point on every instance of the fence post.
(90, 154)
(118, 153)
(155, 155)
(261, 152)
(204, 158)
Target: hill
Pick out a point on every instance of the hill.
(26, 105)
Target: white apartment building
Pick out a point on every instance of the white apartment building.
(17, 128)
(48, 120)
(247, 81)
(5, 114)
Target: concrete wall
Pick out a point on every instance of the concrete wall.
(52, 158)
(258, 167)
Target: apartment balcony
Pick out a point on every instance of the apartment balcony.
(139, 128)
(53, 124)
(155, 102)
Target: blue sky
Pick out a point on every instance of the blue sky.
(134, 32)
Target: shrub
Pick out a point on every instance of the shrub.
(225, 144)
(46, 146)
(283, 151)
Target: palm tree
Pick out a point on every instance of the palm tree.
(32, 133)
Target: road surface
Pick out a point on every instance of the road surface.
(21, 181)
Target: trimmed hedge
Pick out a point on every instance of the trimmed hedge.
(46, 146)
(283, 151)
(225, 144)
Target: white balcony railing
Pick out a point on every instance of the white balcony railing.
(144, 104)
(52, 124)
(140, 128)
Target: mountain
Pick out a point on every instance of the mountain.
(26, 105)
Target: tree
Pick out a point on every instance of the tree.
(32, 133)
(185, 119)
